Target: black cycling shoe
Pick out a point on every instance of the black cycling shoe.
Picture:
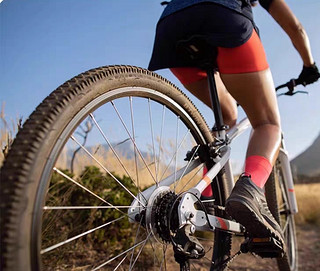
(247, 205)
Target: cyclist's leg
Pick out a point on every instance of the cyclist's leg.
(247, 204)
(195, 80)
(255, 93)
(245, 73)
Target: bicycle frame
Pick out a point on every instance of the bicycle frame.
(187, 212)
(186, 207)
(285, 164)
(195, 192)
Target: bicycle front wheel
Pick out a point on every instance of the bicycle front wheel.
(83, 156)
(278, 202)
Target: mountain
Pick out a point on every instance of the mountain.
(125, 149)
(308, 162)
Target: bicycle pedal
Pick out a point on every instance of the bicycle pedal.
(267, 247)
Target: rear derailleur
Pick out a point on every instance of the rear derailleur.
(186, 246)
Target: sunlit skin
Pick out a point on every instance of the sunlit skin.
(281, 13)
(228, 104)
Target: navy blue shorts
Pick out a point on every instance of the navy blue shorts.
(220, 26)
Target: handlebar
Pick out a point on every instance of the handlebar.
(291, 86)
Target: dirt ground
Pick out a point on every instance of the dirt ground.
(309, 248)
(308, 251)
(308, 237)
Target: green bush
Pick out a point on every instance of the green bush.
(64, 224)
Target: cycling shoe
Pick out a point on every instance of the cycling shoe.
(247, 205)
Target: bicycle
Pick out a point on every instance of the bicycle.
(50, 214)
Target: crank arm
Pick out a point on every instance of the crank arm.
(189, 214)
(217, 222)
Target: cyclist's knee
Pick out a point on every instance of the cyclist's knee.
(268, 128)
(266, 119)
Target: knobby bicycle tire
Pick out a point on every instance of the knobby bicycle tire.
(27, 170)
(277, 198)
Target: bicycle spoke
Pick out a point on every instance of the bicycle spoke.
(89, 191)
(114, 151)
(161, 134)
(133, 141)
(187, 166)
(154, 250)
(285, 226)
(124, 252)
(192, 264)
(136, 238)
(78, 236)
(195, 174)
(83, 187)
(105, 169)
(282, 207)
(176, 151)
(110, 206)
(140, 250)
(84, 207)
(120, 263)
(174, 155)
(164, 251)
(152, 138)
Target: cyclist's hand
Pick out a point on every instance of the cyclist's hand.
(309, 75)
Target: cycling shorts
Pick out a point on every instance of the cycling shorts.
(217, 25)
(248, 57)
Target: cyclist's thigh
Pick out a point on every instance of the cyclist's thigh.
(195, 80)
(246, 74)
(255, 93)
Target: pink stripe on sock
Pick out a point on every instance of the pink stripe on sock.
(259, 168)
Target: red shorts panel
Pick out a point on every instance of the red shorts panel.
(249, 57)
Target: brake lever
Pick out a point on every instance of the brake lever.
(291, 85)
(291, 93)
(301, 91)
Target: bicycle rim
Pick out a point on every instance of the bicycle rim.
(277, 198)
(102, 138)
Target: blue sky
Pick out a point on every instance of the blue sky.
(46, 42)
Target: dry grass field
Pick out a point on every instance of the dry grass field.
(308, 197)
